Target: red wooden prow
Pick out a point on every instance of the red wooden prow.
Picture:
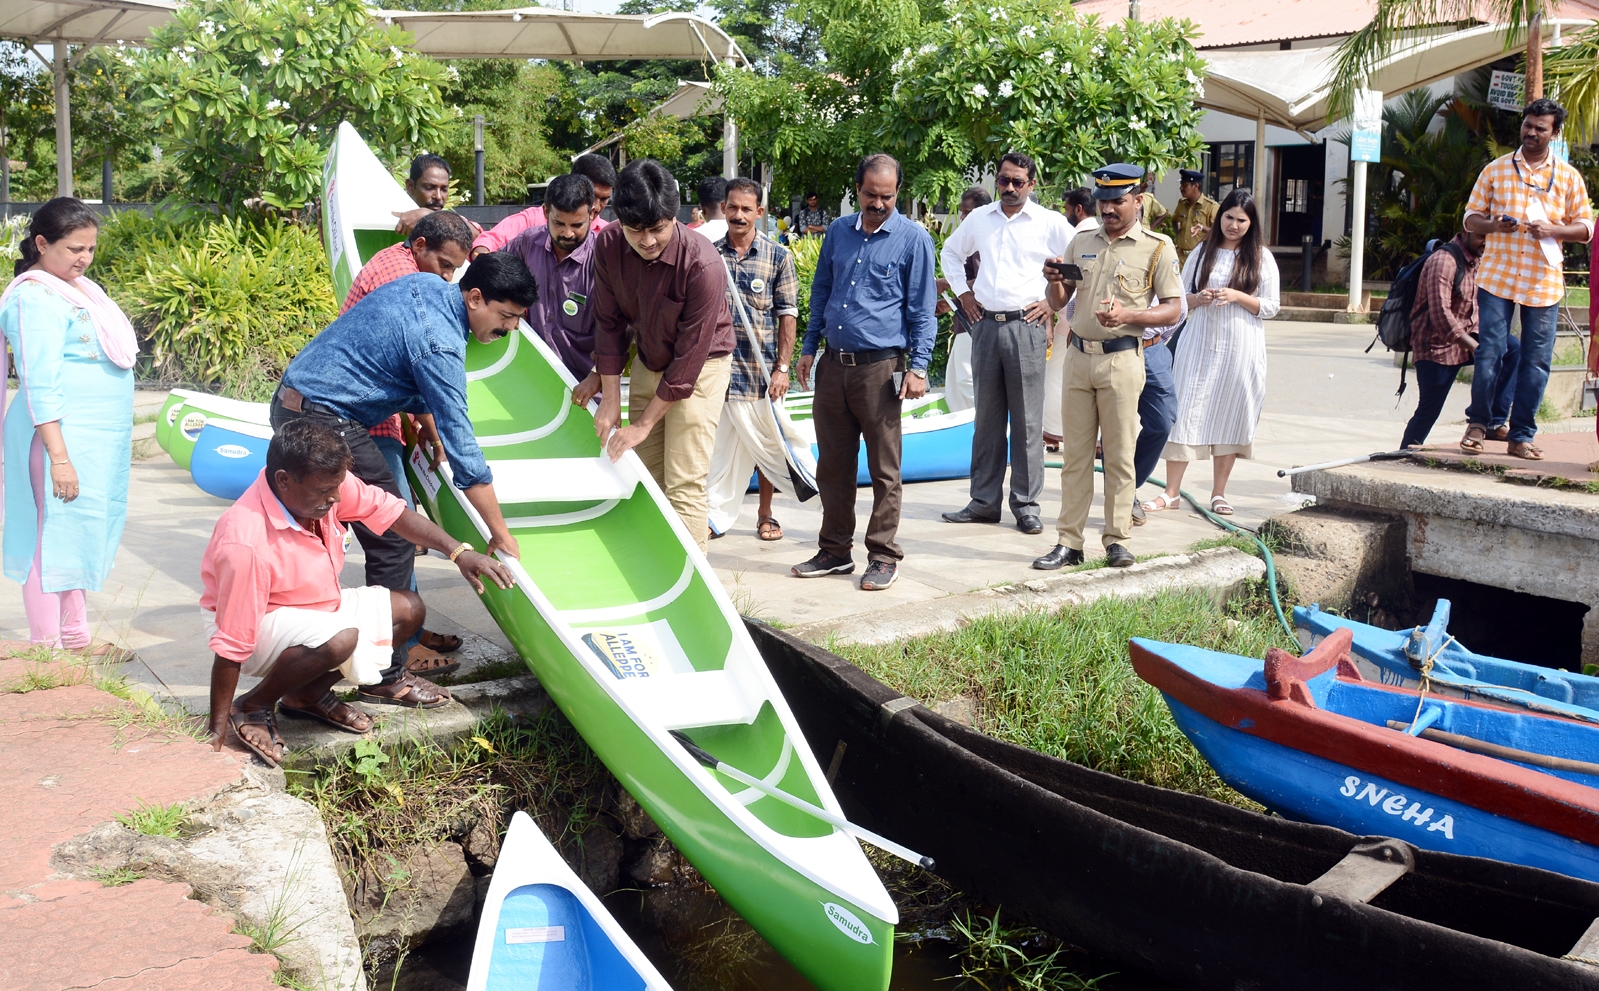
(1286, 674)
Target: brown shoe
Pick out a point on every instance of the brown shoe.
(409, 692)
(430, 663)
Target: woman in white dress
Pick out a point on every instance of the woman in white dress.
(1220, 365)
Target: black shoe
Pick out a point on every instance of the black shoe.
(1029, 525)
(1138, 513)
(1117, 556)
(967, 516)
(1061, 557)
(879, 575)
(822, 565)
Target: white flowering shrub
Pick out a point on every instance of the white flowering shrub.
(252, 92)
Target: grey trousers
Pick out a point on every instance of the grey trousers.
(1008, 375)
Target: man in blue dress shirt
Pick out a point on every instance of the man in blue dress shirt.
(872, 301)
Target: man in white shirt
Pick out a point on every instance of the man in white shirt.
(712, 192)
(1080, 211)
(1010, 337)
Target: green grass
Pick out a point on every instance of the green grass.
(1061, 683)
(510, 667)
(156, 820)
(1546, 411)
(999, 955)
(115, 877)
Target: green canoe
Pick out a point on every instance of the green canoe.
(359, 201)
(630, 631)
(186, 413)
(168, 416)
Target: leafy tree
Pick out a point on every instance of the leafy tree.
(27, 111)
(107, 118)
(253, 90)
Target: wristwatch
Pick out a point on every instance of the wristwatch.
(783, 368)
(919, 371)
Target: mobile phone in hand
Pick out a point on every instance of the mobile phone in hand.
(899, 383)
(1067, 270)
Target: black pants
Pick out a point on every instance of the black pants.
(390, 558)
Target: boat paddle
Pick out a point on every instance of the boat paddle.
(860, 832)
(1379, 456)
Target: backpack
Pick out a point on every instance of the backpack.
(1393, 320)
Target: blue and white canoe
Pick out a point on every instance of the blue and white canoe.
(936, 444)
(1396, 658)
(1309, 738)
(189, 415)
(542, 929)
(228, 455)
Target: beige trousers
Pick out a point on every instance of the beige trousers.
(678, 451)
(1099, 402)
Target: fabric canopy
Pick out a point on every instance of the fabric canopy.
(83, 22)
(1291, 88)
(543, 33)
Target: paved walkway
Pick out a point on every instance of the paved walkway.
(1326, 399)
(76, 757)
(1566, 457)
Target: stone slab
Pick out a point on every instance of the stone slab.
(1566, 457)
(1218, 570)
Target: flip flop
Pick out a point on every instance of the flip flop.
(444, 643)
(327, 709)
(410, 685)
(769, 529)
(239, 718)
(429, 663)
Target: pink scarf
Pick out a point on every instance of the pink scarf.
(117, 340)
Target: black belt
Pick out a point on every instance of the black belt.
(1109, 347)
(1001, 316)
(853, 358)
(291, 399)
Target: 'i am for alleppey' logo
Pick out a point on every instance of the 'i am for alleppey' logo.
(848, 923)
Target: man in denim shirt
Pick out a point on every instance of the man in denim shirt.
(872, 299)
(403, 350)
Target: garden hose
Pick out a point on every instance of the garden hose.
(1265, 552)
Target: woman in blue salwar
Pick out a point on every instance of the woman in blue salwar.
(69, 432)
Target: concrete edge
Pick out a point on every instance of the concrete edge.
(1220, 571)
(1561, 511)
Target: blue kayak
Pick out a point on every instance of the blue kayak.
(542, 929)
(228, 455)
(1396, 657)
(1311, 739)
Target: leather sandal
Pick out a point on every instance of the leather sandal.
(1501, 432)
(444, 643)
(1220, 506)
(414, 693)
(769, 529)
(1163, 502)
(430, 663)
(240, 718)
(332, 710)
(1525, 449)
(1471, 443)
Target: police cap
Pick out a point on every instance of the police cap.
(1191, 175)
(1117, 180)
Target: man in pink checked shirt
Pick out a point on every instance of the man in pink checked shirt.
(596, 168)
(272, 602)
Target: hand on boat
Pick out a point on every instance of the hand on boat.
(586, 389)
(625, 439)
(474, 567)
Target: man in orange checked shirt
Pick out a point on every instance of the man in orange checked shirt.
(438, 244)
(1527, 202)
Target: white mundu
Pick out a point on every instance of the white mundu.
(1013, 249)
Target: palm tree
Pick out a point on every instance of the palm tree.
(1396, 21)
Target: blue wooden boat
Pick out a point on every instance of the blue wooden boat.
(936, 444)
(1311, 739)
(542, 929)
(228, 455)
(1397, 658)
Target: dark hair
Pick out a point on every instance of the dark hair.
(977, 196)
(501, 277)
(595, 168)
(876, 163)
(425, 161)
(813, 193)
(1021, 161)
(54, 221)
(569, 193)
(1082, 198)
(1545, 107)
(1246, 267)
(712, 189)
(742, 184)
(645, 194)
(443, 227)
(304, 447)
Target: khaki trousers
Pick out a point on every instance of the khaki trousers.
(678, 451)
(1099, 402)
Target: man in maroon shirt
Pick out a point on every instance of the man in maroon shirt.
(662, 287)
(1443, 337)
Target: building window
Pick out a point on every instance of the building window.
(1229, 165)
(1296, 195)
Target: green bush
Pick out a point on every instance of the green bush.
(217, 301)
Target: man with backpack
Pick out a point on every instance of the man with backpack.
(1443, 335)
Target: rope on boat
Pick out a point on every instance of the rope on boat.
(1265, 552)
(1426, 676)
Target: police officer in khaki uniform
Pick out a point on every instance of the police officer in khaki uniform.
(1119, 267)
(1194, 215)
